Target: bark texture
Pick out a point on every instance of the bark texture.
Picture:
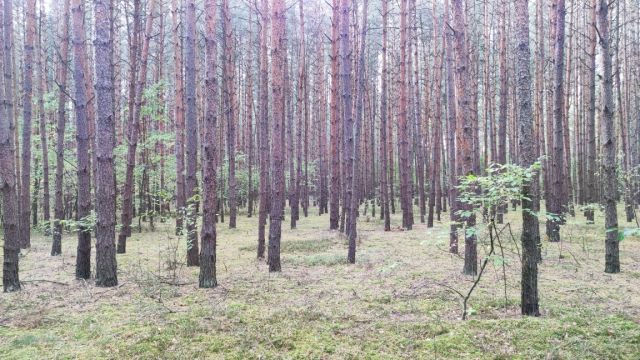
(608, 143)
(207, 278)
(106, 267)
(278, 55)
(530, 227)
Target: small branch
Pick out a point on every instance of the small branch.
(504, 270)
(475, 283)
(42, 280)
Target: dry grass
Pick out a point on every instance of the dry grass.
(396, 302)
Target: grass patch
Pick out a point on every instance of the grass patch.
(294, 246)
(318, 260)
(391, 304)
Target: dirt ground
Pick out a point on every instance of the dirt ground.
(398, 301)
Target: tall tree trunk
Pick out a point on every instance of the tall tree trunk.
(208, 246)
(61, 80)
(263, 129)
(191, 189)
(384, 119)
(403, 127)
(278, 55)
(465, 119)
(419, 139)
(531, 200)
(451, 130)
(556, 202)
(434, 189)
(360, 93)
(44, 138)
(504, 100)
(230, 108)
(347, 113)
(106, 267)
(134, 129)
(83, 256)
(178, 115)
(8, 179)
(334, 203)
(303, 121)
(322, 125)
(250, 144)
(27, 87)
(294, 203)
(608, 143)
(591, 166)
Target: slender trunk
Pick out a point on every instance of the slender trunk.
(61, 80)
(557, 169)
(44, 138)
(348, 121)
(230, 109)
(334, 203)
(608, 142)
(208, 247)
(384, 115)
(8, 179)
(27, 88)
(451, 130)
(322, 124)
(278, 54)
(303, 122)
(294, 203)
(360, 80)
(531, 231)
(106, 267)
(403, 127)
(178, 115)
(504, 102)
(591, 168)
(83, 256)
(434, 190)
(263, 129)
(134, 127)
(249, 119)
(419, 137)
(465, 119)
(191, 189)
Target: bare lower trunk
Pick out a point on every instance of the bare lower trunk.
(207, 278)
(451, 130)
(191, 189)
(353, 234)
(556, 202)
(384, 115)
(465, 118)
(61, 79)
(531, 199)
(230, 110)
(106, 267)
(263, 130)
(608, 143)
(27, 87)
(8, 179)
(334, 202)
(44, 143)
(179, 117)
(278, 54)
(83, 256)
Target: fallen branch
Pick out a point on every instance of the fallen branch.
(173, 283)
(43, 280)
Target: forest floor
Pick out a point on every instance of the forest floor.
(398, 301)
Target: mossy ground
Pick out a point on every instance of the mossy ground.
(395, 302)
